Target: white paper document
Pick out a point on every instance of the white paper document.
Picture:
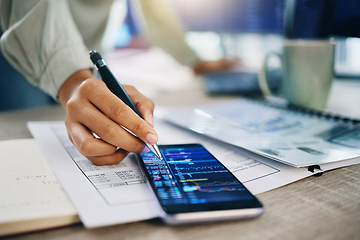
(292, 137)
(114, 194)
(104, 195)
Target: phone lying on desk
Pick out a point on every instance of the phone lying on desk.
(192, 186)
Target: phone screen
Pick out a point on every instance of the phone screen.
(189, 178)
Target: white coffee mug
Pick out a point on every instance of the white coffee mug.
(308, 72)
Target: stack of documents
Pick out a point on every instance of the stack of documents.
(107, 195)
(288, 135)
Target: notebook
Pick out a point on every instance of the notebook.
(294, 136)
(31, 197)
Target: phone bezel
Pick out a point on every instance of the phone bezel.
(172, 209)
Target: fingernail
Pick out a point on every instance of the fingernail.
(151, 138)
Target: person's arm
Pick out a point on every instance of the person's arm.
(42, 41)
(161, 27)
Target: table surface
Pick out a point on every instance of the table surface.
(326, 207)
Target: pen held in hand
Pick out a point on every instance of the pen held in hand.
(116, 88)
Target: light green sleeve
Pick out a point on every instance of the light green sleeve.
(41, 41)
(160, 27)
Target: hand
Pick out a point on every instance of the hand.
(92, 108)
(211, 66)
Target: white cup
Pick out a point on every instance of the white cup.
(308, 72)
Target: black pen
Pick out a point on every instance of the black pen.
(116, 88)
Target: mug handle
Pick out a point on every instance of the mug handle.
(262, 77)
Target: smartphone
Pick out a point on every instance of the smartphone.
(192, 186)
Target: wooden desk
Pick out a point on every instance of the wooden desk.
(326, 207)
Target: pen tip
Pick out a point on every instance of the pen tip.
(155, 150)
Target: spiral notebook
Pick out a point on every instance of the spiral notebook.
(294, 136)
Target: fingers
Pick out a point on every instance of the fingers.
(86, 143)
(96, 150)
(114, 158)
(94, 109)
(121, 114)
(142, 103)
(217, 65)
(109, 131)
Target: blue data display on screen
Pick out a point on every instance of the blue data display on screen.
(192, 175)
